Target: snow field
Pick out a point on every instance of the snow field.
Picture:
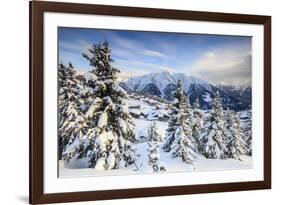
(78, 167)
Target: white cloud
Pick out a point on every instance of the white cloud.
(69, 46)
(85, 45)
(228, 65)
(140, 67)
(78, 46)
(124, 43)
(123, 53)
(153, 54)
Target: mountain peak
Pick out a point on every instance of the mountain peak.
(162, 80)
(163, 84)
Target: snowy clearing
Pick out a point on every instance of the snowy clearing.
(78, 168)
(173, 165)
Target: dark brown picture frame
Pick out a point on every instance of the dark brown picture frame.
(37, 9)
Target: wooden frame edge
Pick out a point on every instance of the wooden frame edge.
(149, 192)
(36, 102)
(36, 193)
(267, 102)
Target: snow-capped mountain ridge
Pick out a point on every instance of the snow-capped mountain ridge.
(162, 79)
(163, 84)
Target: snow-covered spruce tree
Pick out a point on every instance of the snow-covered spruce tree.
(154, 155)
(248, 141)
(173, 123)
(154, 137)
(87, 86)
(179, 140)
(197, 123)
(228, 115)
(213, 138)
(107, 144)
(68, 105)
(247, 130)
(236, 144)
(153, 133)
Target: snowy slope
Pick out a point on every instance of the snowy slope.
(173, 165)
(78, 168)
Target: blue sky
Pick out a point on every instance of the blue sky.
(215, 58)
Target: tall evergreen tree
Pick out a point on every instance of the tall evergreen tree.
(213, 137)
(247, 130)
(236, 144)
(154, 155)
(248, 140)
(87, 90)
(68, 104)
(179, 138)
(154, 138)
(197, 123)
(153, 133)
(107, 143)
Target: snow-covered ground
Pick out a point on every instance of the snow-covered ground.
(172, 164)
(143, 107)
(78, 168)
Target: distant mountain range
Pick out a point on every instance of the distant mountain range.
(163, 84)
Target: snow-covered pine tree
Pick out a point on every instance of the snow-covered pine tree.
(154, 137)
(228, 115)
(249, 141)
(68, 105)
(153, 133)
(179, 138)
(87, 86)
(173, 122)
(197, 123)
(108, 142)
(154, 155)
(247, 130)
(213, 138)
(236, 144)
(67, 85)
